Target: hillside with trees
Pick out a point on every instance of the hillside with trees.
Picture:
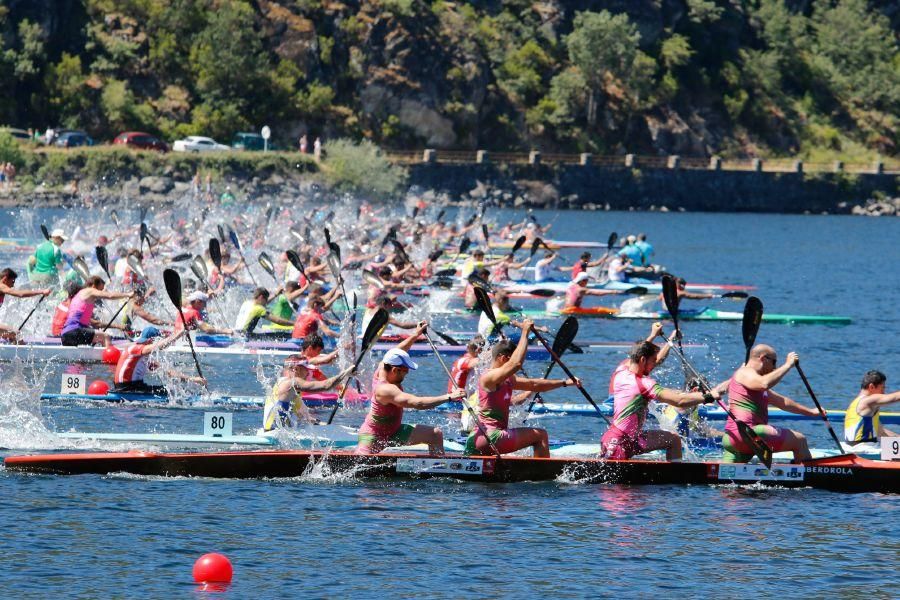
(813, 78)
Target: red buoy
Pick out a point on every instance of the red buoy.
(98, 388)
(111, 355)
(213, 568)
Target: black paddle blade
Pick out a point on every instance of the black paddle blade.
(519, 243)
(172, 280)
(221, 233)
(435, 254)
(401, 251)
(565, 335)
(327, 236)
(670, 296)
(180, 257)
(445, 283)
(484, 232)
(477, 281)
(542, 293)
(294, 259)
(752, 439)
(415, 212)
(144, 235)
(535, 245)
(484, 303)
(447, 339)
(471, 219)
(445, 273)
(266, 263)
(45, 231)
(753, 312)
(373, 329)
(215, 252)
(372, 279)
(613, 238)
(637, 290)
(81, 268)
(440, 216)
(103, 259)
(734, 295)
(464, 245)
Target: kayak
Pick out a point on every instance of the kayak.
(589, 311)
(653, 287)
(710, 413)
(312, 400)
(710, 314)
(844, 473)
(552, 244)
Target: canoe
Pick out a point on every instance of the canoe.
(553, 244)
(653, 287)
(845, 473)
(710, 413)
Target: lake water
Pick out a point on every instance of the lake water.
(317, 536)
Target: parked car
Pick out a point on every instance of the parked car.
(250, 141)
(141, 141)
(71, 138)
(19, 134)
(196, 143)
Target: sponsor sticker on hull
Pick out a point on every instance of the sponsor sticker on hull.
(444, 466)
(744, 472)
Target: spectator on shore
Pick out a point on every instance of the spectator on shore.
(317, 149)
(303, 144)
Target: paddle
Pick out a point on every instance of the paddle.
(237, 244)
(28, 316)
(481, 282)
(445, 273)
(297, 235)
(173, 288)
(103, 259)
(464, 402)
(135, 265)
(401, 251)
(535, 245)
(198, 266)
(734, 295)
(563, 340)
(463, 246)
(81, 268)
(373, 331)
(440, 216)
(215, 253)
(750, 437)
(484, 232)
(520, 241)
(116, 314)
(145, 237)
(753, 312)
(294, 259)
(266, 263)
(819, 407)
(45, 231)
(181, 257)
(334, 265)
(221, 233)
(114, 216)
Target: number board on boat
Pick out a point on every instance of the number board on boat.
(217, 424)
(744, 472)
(73, 383)
(444, 466)
(890, 448)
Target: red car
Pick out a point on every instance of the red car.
(141, 141)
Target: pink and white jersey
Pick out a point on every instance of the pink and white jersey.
(382, 420)
(132, 365)
(631, 397)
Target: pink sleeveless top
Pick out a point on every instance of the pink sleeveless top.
(493, 406)
(80, 313)
(382, 420)
(572, 297)
(749, 406)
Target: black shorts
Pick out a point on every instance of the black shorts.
(83, 336)
(142, 388)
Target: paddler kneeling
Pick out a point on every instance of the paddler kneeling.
(384, 425)
(284, 404)
(133, 364)
(495, 396)
(633, 389)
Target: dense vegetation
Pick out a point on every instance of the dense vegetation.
(735, 77)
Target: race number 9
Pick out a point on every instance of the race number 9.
(890, 448)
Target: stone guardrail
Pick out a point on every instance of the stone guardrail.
(634, 161)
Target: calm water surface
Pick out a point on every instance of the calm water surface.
(325, 535)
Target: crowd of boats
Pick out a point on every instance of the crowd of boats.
(357, 280)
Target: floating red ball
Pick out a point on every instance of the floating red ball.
(98, 388)
(213, 568)
(111, 355)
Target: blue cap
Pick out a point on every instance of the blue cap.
(148, 334)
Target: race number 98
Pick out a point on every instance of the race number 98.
(73, 383)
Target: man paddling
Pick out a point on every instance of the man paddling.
(44, 264)
(193, 315)
(7, 288)
(862, 421)
(495, 396)
(633, 389)
(578, 289)
(284, 405)
(384, 425)
(134, 364)
(749, 396)
(253, 310)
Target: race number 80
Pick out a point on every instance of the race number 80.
(216, 424)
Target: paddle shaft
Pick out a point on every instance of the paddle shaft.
(465, 404)
(569, 373)
(344, 389)
(812, 395)
(537, 395)
(121, 308)
(34, 308)
(187, 334)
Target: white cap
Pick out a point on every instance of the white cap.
(58, 233)
(399, 358)
(198, 295)
(631, 239)
(582, 277)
